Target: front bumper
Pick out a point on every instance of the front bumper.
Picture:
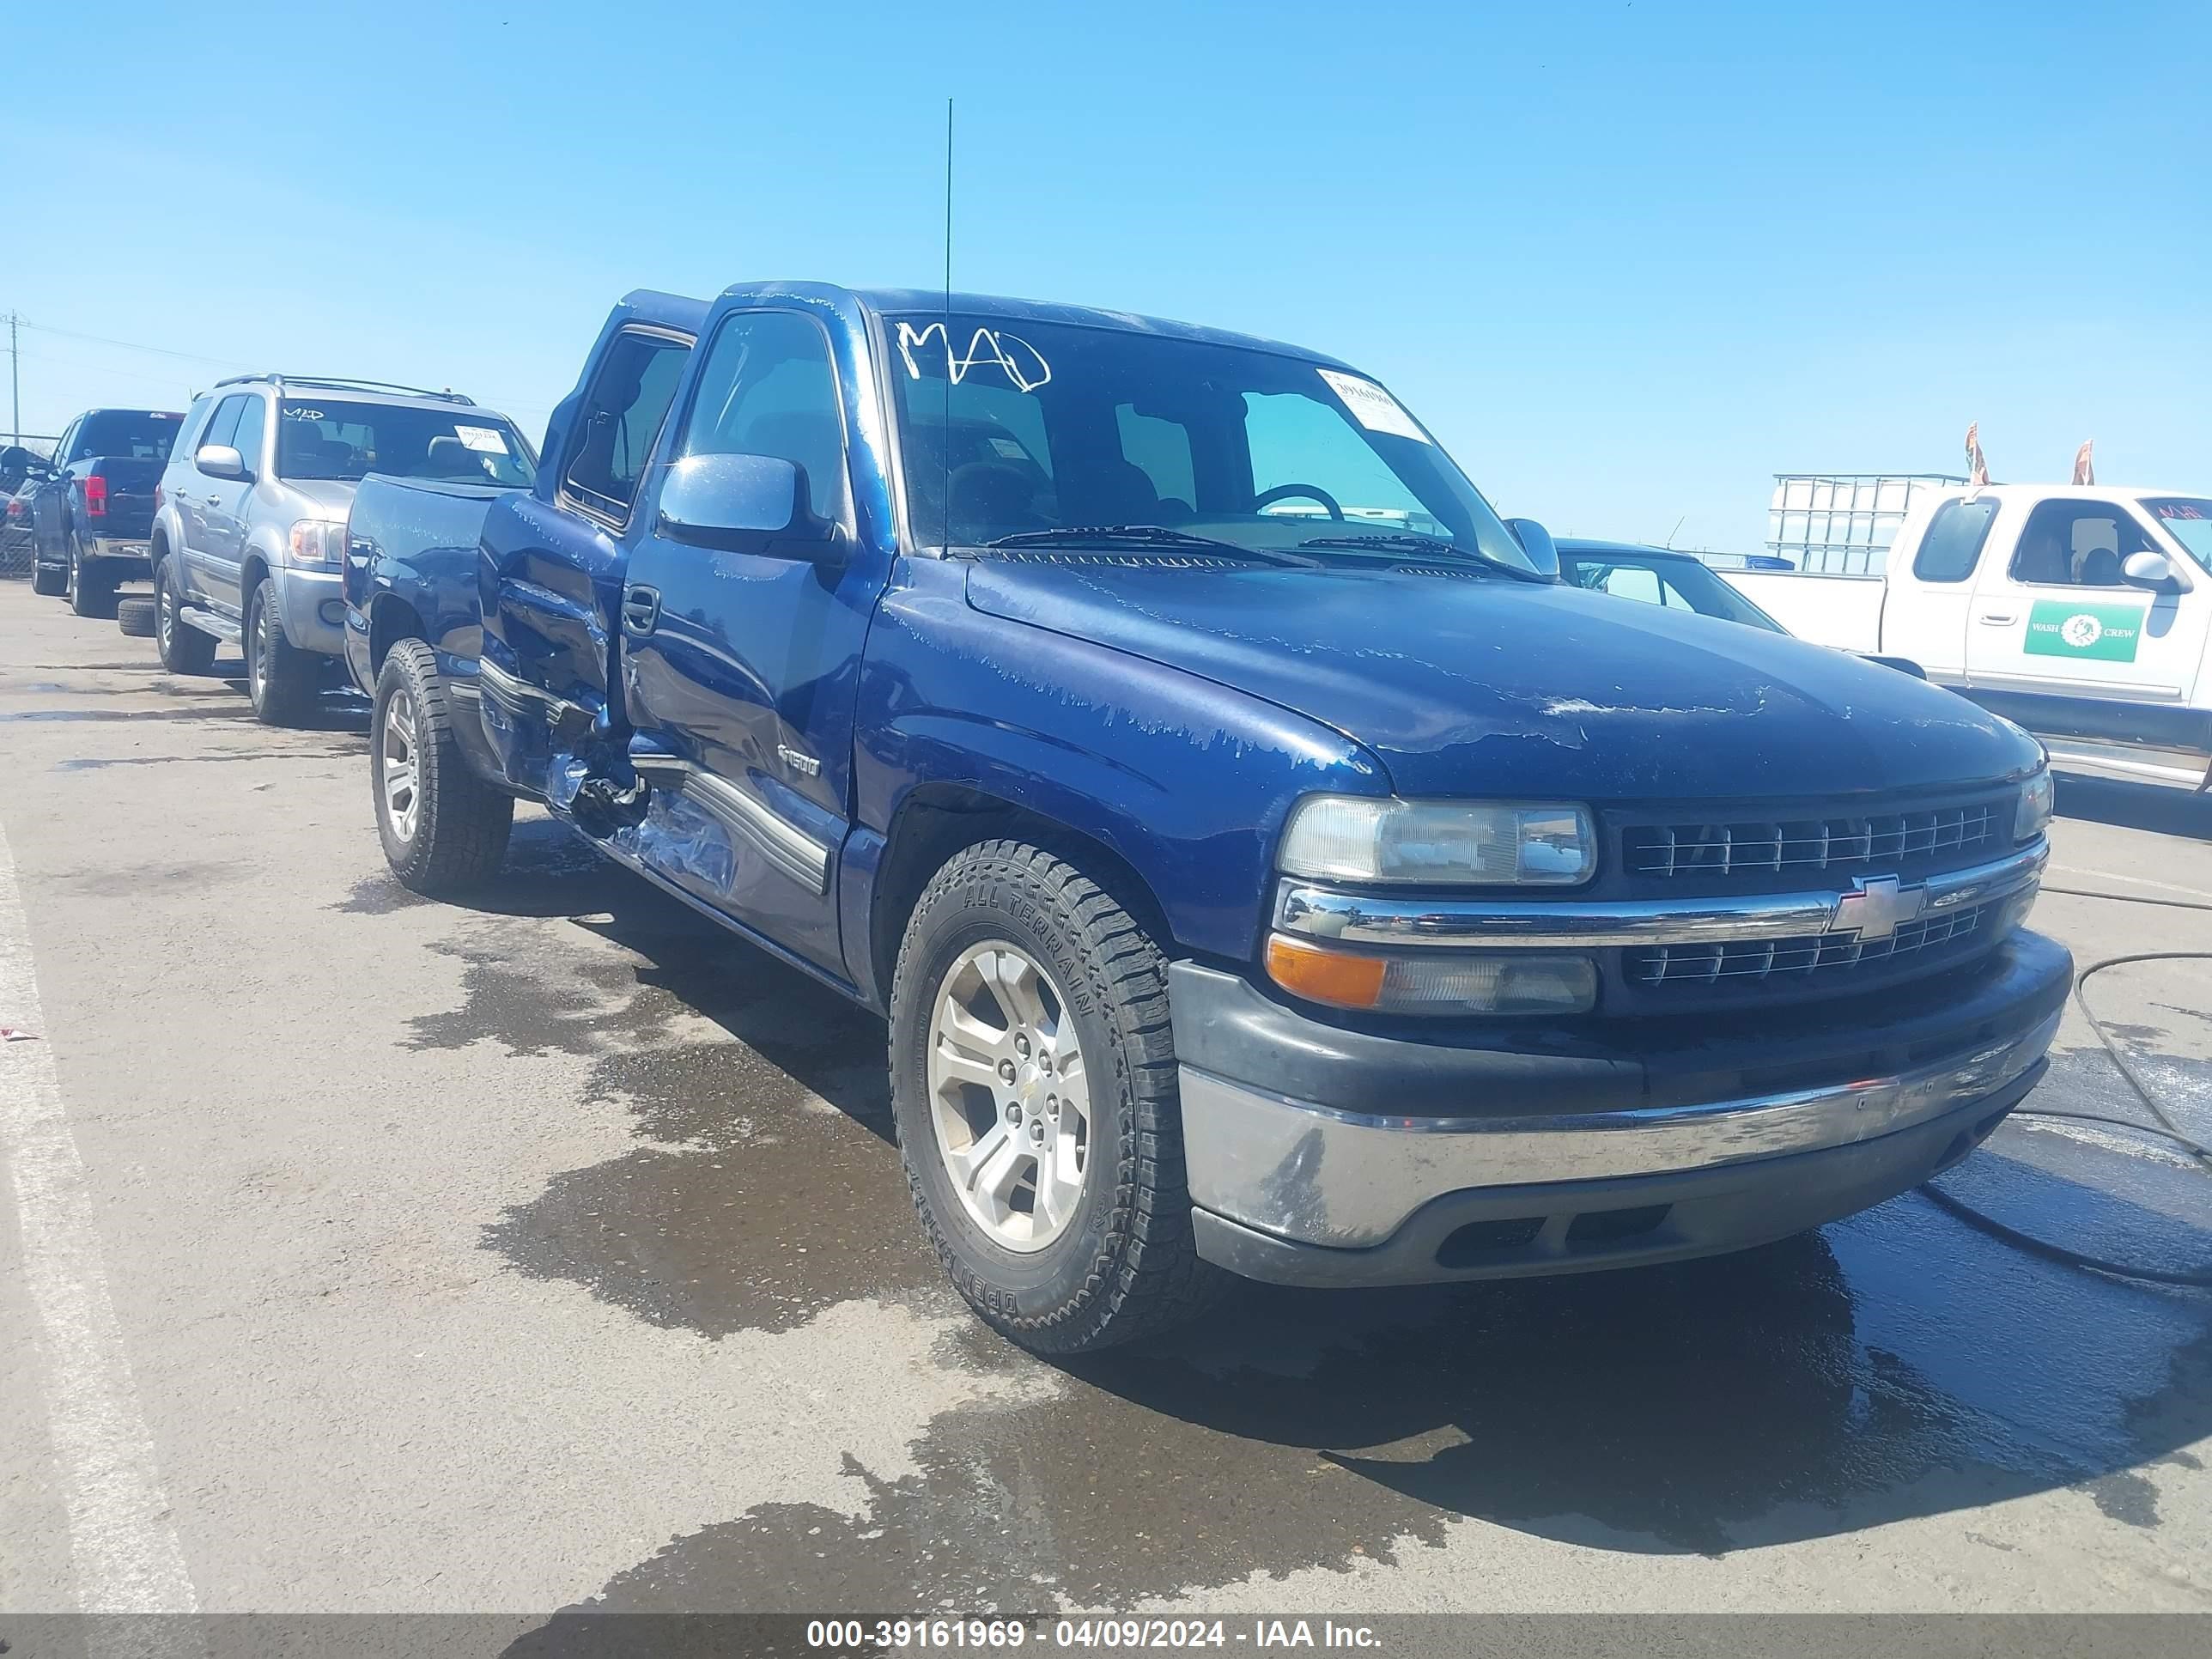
(313, 609)
(1322, 1155)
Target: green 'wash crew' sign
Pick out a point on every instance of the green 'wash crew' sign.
(2106, 632)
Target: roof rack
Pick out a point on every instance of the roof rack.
(332, 383)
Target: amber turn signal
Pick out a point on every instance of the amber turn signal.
(1342, 979)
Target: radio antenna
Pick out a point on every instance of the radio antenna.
(945, 439)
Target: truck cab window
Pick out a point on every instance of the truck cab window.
(224, 427)
(252, 418)
(768, 388)
(621, 417)
(1952, 545)
(2076, 544)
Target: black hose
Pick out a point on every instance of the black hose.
(2164, 1129)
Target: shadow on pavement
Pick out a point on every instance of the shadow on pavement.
(2165, 809)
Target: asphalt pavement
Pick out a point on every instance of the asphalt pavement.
(360, 1253)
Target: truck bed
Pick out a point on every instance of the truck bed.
(1844, 611)
(411, 567)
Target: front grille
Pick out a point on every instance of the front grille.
(1943, 837)
(1822, 956)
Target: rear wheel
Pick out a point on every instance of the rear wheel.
(443, 827)
(1034, 1079)
(182, 649)
(282, 681)
(91, 585)
(138, 618)
(50, 579)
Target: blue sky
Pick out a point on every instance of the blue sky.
(1628, 260)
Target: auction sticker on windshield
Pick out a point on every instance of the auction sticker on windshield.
(2105, 633)
(488, 439)
(1373, 407)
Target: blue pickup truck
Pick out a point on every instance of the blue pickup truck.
(92, 508)
(1267, 867)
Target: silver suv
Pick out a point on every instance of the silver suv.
(249, 524)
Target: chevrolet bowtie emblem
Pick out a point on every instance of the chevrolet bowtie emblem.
(1876, 907)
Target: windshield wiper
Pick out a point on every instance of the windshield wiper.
(1416, 542)
(1146, 534)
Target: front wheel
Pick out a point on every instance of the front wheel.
(282, 680)
(443, 827)
(1033, 1076)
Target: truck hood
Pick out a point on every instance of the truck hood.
(1475, 685)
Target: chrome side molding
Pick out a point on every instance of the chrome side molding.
(783, 844)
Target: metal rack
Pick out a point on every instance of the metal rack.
(332, 383)
(1843, 523)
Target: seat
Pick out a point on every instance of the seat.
(2042, 556)
(2100, 568)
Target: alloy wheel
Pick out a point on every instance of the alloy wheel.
(1009, 1096)
(399, 763)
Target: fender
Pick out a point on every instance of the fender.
(1186, 780)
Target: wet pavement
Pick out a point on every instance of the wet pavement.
(553, 1252)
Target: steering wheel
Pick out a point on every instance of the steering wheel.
(1267, 498)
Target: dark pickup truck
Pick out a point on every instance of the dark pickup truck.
(1264, 863)
(91, 509)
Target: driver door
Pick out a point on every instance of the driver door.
(2063, 643)
(741, 670)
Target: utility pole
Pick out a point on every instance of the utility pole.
(15, 385)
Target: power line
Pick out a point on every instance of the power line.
(183, 356)
(133, 345)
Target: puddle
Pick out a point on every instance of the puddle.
(41, 716)
(1829, 1383)
(768, 1189)
(776, 1206)
(87, 763)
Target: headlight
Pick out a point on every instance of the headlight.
(1362, 838)
(2034, 813)
(317, 541)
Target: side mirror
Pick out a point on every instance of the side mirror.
(745, 504)
(220, 461)
(2148, 570)
(1536, 542)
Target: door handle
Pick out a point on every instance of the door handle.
(640, 609)
(215, 500)
(1999, 619)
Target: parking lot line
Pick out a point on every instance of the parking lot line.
(2062, 873)
(126, 1552)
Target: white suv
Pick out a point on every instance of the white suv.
(249, 525)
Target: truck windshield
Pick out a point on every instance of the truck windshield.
(143, 434)
(2188, 521)
(329, 439)
(1037, 429)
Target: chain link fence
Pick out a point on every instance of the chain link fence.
(14, 513)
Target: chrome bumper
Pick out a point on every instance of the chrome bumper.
(1304, 1171)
